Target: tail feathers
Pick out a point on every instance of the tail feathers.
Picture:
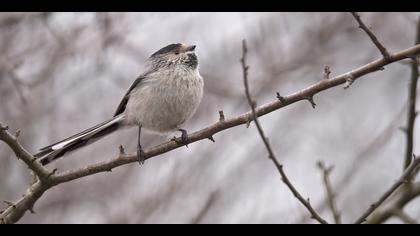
(55, 151)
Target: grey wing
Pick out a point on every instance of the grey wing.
(124, 101)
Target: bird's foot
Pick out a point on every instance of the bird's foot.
(141, 156)
(183, 139)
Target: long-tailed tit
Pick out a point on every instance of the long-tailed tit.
(160, 100)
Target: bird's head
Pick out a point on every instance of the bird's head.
(176, 55)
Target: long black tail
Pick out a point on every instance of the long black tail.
(59, 149)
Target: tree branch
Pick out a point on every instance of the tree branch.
(330, 193)
(26, 203)
(401, 197)
(412, 97)
(372, 36)
(13, 214)
(271, 155)
(409, 191)
(22, 154)
(206, 208)
(43, 182)
(402, 180)
(16, 81)
(404, 217)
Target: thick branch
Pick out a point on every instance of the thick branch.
(372, 36)
(412, 97)
(271, 155)
(402, 180)
(330, 193)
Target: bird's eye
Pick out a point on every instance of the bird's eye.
(176, 52)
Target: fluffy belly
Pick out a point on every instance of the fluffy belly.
(165, 107)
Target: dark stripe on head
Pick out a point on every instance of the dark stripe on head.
(169, 48)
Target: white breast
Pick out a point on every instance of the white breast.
(165, 100)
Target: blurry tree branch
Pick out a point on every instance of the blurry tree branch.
(399, 199)
(404, 217)
(16, 81)
(271, 156)
(411, 114)
(330, 193)
(363, 156)
(206, 207)
(409, 191)
(405, 178)
(412, 97)
(49, 179)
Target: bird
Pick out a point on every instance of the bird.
(160, 100)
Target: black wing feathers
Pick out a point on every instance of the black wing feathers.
(124, 101)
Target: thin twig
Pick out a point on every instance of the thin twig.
(372, 36)
(327, 72)
(16, 81)
(22, 153)
(330, 193)
(9, 203)
(206, 207)
(405, 177)
(412, 97)
(44, 181)
(271, 155)
(221, 116)
(409, 191)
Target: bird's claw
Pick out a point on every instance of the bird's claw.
(183, 139)
(141, 156)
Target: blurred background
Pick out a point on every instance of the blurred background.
(54, 67)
